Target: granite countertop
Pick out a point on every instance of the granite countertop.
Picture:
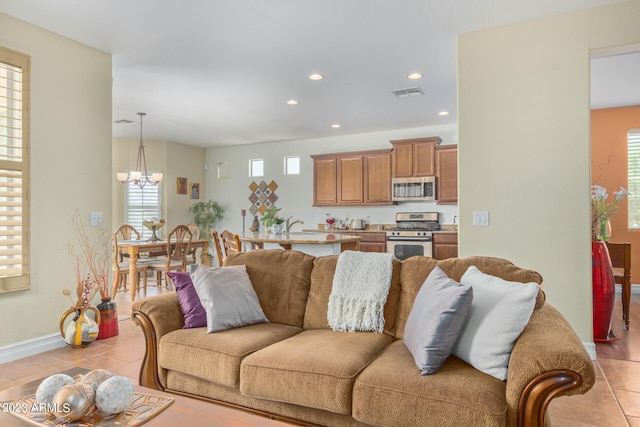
(444, 228)
(301, 238)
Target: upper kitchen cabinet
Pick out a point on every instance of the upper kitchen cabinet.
(354, 178)
(414, 157)
(447, 174)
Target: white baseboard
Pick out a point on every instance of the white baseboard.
(591, 349)
(635, 289)
(30, 347)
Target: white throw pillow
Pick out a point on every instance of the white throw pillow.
(228, 297)
(499, 312)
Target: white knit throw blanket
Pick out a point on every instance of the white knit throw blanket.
(360, 287)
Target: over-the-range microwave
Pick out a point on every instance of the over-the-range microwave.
(413, 189)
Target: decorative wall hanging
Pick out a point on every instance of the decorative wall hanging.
(181, 185)
(195, 191)
(262, 196)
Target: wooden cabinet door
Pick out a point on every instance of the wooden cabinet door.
(423, 158)
(445, 245)
(372, 247)
(402, 160)
(325, 174)
(377, 178)
(350, 180)
(447, 175)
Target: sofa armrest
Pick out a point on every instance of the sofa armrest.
(157, 316)
(548, 360)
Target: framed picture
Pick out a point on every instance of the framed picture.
(181, 185)
(195, 191)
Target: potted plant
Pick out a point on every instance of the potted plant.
(272, 221)
(205, 215)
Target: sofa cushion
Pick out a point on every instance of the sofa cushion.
(227, 296)
(194, 314)
(416, 269)
(216, 357)
(436, 320)
(391, 392)
(499, 312)
(315, 316)
(316, 368)
(281, 280)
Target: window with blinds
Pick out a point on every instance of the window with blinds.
(14, 171)
(142, 204)
(633, 184)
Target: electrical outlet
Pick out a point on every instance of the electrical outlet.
(481, 218)
(96, 219)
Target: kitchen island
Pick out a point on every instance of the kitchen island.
(317, 244)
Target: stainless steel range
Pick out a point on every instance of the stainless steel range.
(413, 234)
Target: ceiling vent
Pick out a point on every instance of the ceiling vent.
(406, 93)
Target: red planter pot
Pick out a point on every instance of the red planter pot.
(603, 292)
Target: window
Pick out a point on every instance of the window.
(292, 165)
(633, 183)
(256, 167)
(14, 171)
(142, 204)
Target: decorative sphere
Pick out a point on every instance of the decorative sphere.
(73, 401)
(50, 386)
(114, 395)
(95, 378)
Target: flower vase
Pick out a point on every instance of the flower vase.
(277, 228)
(108, 319)
(82, 330)
(603, 292)
(604, 231)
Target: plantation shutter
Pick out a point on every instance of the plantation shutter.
(142, 204)
(634, 178)
(14, 171)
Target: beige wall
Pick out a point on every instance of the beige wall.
(173, 160)
(523, 99)
(71, 167)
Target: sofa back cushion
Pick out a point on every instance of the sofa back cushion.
(321, 284)
(416, 269)
(281, 280)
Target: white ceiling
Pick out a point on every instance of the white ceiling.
(218, 72)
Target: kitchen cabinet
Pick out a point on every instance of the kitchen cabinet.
(372, 242)
(414, 157)
(446, 174)
(352, 179)
(445, 244)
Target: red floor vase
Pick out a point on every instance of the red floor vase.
(108, 319)
(603, 292)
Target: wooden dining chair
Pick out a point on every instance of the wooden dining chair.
(620, 254)
(195, 235)
(216, 244)
(126, 232)
(121, 261)
(230, 243)
(177, 248)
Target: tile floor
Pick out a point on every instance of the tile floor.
(614, 401)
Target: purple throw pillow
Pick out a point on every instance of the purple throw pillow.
(194, 314)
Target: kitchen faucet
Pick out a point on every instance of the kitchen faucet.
(288, 224)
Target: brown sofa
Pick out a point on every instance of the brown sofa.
(297, 368)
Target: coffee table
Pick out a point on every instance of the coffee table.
(184, 411)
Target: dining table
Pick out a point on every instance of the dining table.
(133, 248)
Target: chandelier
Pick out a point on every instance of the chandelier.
(140, 176)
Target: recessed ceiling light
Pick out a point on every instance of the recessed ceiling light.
(414, 76)
(316, 76)
(335, 125)
(443, 113)
(292, 102)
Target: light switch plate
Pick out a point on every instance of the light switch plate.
(96, 219)
(481, 218)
